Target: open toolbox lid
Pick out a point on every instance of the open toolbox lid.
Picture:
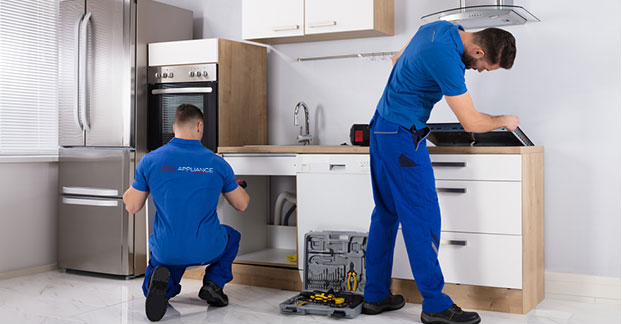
(335, 260)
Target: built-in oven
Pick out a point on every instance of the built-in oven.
(171, 86)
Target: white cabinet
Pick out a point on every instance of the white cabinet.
(272, 18)
(288, 21)
(330, 16)
(474, 259)
(262, 164)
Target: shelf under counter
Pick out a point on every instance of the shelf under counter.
(268, 257)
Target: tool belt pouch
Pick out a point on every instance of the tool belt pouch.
(334, 275)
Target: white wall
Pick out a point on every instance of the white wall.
(28, 215)
(565, 86)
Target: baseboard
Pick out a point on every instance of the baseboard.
(27, 271)
(583, 288)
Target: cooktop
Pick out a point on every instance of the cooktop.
(452, 134)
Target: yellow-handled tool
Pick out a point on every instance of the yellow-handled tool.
(352, 281)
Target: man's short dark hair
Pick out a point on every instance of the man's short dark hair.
(187, 113)
(499, 46)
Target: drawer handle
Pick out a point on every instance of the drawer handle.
(449, 164)
(337, 167)
(454, 242)
(323, 24)
(91, 202)
(284, 28)
(452, 190)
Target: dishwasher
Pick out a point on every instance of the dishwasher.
(342, 183)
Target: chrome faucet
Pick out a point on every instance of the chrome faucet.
(305, 138)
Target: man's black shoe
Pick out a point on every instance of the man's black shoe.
(392, 302)
(452, 315)
(213, 294)
(156, 303)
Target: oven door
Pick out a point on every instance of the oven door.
(163, 102)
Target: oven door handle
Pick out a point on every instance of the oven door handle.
(182, 90)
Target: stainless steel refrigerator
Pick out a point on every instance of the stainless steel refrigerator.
(102, 127)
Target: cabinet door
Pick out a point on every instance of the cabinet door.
(331, 16)
(272, 18)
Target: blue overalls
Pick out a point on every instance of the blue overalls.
(218, 270)
(404, 193)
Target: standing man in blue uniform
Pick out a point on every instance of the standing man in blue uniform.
(185, 180)
(430, 66)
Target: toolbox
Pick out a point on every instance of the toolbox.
(334, 275)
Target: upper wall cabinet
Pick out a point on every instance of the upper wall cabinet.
(290, 21)
(272, 18)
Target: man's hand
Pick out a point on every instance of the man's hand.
(134, 200)
(511, 122)
(237, 198)
(475, 122)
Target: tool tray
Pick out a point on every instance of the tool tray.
(331, 259)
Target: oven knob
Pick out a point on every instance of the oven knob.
(165, 75)
(191, 73)
(170, 75)
(205, 74)
(157, 75)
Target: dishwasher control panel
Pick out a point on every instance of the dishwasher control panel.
(332, 163)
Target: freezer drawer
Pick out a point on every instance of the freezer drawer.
(95, 171)
(95, 235)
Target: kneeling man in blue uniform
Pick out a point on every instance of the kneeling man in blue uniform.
(185, 180)
(431, 66)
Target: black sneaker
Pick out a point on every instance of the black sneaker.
(392, 302)
(156, 303)
(452, 315)
(213, 294)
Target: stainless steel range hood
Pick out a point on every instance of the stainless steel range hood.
(484, 13)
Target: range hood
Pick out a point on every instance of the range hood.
(484, 13)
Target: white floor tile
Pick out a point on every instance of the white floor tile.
(57, 297)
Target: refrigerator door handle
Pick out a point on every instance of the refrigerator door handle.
(82, 69)
(91, 202)
(90, 191)
(76, 103)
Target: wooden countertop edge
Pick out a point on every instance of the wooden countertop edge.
(346, 149)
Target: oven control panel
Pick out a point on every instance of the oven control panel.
(182, 73)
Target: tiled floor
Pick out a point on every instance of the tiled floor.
(57, 297)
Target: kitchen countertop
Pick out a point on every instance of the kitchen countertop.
(349, 149)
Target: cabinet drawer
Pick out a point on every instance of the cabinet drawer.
(483, 260)
(492, 207)
(506, 167)
(259, 164)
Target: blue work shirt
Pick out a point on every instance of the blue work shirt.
(185, 180)
(430, 66)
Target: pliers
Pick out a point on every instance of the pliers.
(352, 277)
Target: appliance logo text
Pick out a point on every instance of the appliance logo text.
(170, 168)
